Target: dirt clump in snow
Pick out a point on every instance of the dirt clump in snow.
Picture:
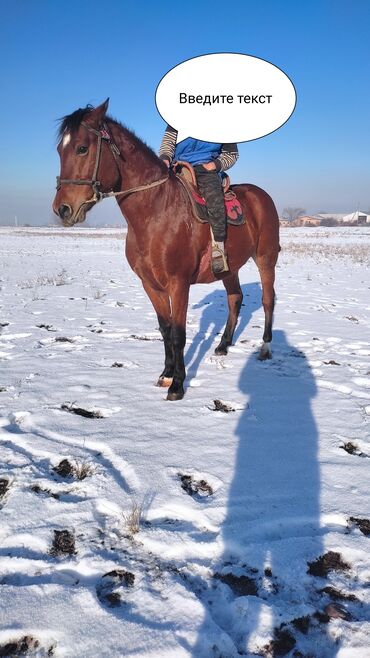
(352, 449)
(48, 327)
(41, 490)
(195, 487)
(337, 595)
(4, 488)
(63, 543)
(331, 561)
(106, 589)
(240, 585)
(219, 405)
(80, 469)
(143, 337)
(25, 646)
(86, 413)
(123, 576)
(362, 524)
(337, 611)
(302, 624)
(282, 643)
(64, 469)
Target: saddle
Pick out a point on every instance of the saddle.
(186, 175)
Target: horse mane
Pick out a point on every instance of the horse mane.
(72, 122)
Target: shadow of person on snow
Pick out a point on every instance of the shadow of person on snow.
(261, 585)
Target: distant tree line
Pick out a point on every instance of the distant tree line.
(330, 221)
(291, 214)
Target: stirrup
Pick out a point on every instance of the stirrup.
(218, 260)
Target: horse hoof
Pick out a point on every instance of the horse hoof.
(265, 352)
(164, 382)
(175, 395)
(264, 356)
(221, 350)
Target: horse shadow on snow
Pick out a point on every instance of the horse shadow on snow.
(213, 321)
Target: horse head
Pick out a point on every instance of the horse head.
(84, 142)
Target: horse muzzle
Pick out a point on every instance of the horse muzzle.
(70, 217)
(65, 213)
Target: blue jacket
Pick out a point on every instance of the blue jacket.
(197, 152)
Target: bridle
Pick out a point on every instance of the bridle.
(103, 135)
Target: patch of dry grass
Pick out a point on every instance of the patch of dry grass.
(132, 519)
(355, 252)
(79, 469)
(83, 469)
(60, 279)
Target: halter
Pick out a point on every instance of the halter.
(103, 135)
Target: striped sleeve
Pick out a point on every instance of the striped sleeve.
(168, 145)
(227, 158)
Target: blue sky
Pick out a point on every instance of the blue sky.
(60, 55)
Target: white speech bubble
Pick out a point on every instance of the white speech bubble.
(229, 98)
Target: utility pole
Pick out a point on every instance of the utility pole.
(15, 220)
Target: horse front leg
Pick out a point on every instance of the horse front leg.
(166, 377)
(234, 300)
(179, 294)
(161, 303)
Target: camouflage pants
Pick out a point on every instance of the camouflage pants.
(210, 187)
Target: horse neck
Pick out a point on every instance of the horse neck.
(137, 167)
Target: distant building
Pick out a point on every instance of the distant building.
(337, 216)
(329, 219)
(285, 222)
(357, 217)
(307, 220)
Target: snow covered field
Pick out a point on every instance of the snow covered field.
(169, 529)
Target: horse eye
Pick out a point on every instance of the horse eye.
(82, 150)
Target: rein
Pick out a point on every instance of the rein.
(94, 182)
(104, 195)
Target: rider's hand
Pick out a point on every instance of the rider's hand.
(210, 166)
(166, 162)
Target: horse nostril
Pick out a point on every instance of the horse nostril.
(64, 211)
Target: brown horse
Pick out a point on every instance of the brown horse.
(166, 246)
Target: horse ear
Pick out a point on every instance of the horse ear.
(96, 116)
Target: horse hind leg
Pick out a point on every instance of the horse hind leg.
(234, 300)
(267, 273)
